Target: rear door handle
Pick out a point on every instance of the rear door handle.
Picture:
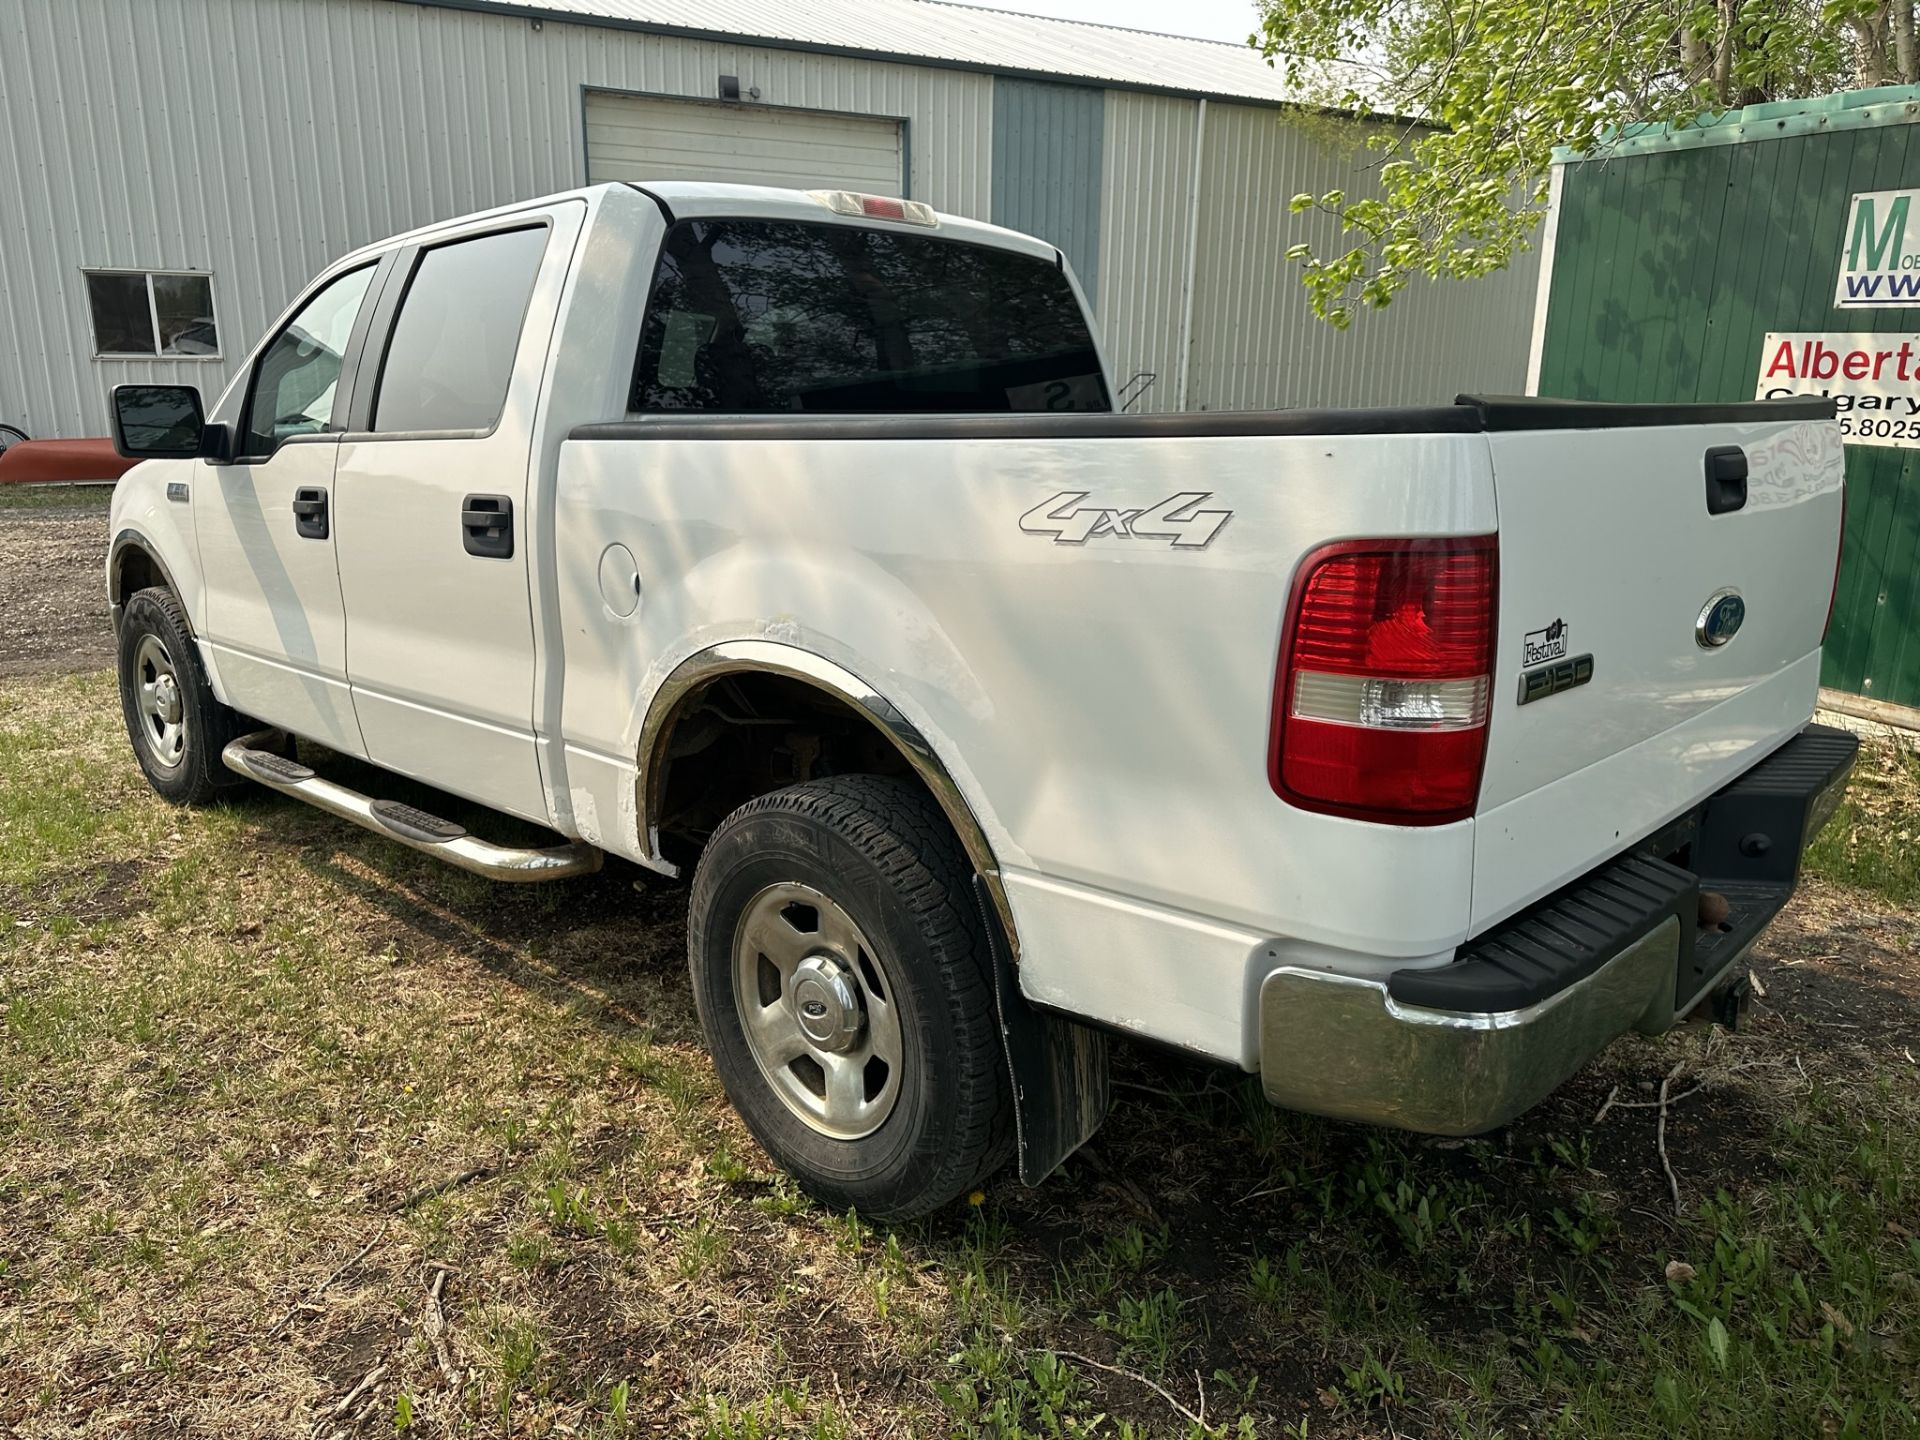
(1726, 479)
(486, 526)
(310, 512)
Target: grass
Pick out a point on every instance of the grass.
(1870, 843)
(21, 498)
(263, 1078)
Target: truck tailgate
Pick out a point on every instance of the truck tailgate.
(1649, 649)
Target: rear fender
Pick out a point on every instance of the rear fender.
(735, 657)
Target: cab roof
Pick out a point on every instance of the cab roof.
(696, 199)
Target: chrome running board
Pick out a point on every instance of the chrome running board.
(426, 833)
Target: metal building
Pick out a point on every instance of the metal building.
(177, 169)
(1679, 264)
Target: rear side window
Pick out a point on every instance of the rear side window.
(771, 315)
(453, 345)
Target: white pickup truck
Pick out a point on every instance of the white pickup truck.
(1403, 757)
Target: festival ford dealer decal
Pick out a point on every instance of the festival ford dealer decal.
(1874, 380)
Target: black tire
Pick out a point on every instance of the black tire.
(186, 769)
(882, 852)
(9, 437)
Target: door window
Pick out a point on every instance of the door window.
(454, 343)
(294, 383)
(760, 315)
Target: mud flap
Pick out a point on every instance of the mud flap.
(1061, 1074)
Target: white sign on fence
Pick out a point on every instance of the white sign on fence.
(1880, 253)
(1874, 380)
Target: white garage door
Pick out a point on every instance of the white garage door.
(631, 138)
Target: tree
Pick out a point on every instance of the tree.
(1480, 92)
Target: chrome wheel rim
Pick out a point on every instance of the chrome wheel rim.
(817, 1007)
(161, 707)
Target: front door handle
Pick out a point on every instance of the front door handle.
(486, 526)
(310, 512)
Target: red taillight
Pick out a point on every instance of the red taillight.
(876, 207)
(1380, 703)
(1839, 554)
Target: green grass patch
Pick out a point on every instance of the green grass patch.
(23, 498)
(283, 1107)
(1870, 842)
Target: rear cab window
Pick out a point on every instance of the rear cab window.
(758, 316)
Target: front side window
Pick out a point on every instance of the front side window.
(295, 382)
(139, 312)
(454, 343)
(772, 315)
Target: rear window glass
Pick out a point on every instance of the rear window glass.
(764, 315)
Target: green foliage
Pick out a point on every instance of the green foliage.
(788, 1411)
(1148, 1327)
(1372, 1383)
(568, 1209)
(1478, 93)
(1869, 842)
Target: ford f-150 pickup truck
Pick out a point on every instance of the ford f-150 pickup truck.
(791, 542)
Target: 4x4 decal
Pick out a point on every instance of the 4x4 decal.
(1177, 518)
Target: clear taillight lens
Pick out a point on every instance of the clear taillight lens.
(1380, 703)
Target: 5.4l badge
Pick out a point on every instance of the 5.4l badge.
(1177, 518)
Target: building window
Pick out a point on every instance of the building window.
(141, 312)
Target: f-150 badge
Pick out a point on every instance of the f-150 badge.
(1177, 518)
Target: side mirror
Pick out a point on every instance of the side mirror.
(158, 422)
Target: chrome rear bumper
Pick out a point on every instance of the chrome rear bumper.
(1466, 1047)
(1339, 1046)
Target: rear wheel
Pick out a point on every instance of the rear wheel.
(843, 982)
(176, 725)
(9, 437)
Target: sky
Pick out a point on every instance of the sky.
(1207, 19)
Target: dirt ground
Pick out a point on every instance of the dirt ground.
(53, 607)
(304, 1135)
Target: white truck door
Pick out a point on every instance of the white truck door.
(433, 542)
(274, 620)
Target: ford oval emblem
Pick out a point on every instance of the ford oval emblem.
(1720, 620)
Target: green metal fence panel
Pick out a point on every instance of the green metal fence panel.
(1677, 254)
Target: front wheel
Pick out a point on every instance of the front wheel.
(176, 725)
(844, 985)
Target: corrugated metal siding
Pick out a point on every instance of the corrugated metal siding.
(337, 122)
(1147, 178)
(349, 120)
(1669, 270)
(633, 137)
(959, 34)
(1257, 345)
(1047, 144)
